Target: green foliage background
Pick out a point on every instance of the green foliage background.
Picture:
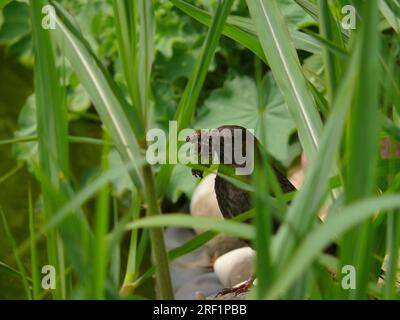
(238, 80)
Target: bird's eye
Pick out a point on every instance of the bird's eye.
(187, 139)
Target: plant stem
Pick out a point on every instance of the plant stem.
(157, 237)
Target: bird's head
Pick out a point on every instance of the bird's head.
(229, 145)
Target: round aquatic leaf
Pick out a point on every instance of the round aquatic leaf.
(237, 103)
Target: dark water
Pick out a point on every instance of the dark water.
(15, 86)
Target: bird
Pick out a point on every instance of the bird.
(232, 200)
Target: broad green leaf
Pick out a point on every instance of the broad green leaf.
(237, 103)
(3, 3)
(16, 25)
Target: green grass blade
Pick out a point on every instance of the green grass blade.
(187, 104)
(115, 263)
(146, 53)
(132, 267)
(10, 173)
(323, 235)
(52, 139)
(392, 245)
(389, 15)
(100, 232)
(85, 194)
(310, 8)
(330, 32)
(231, 228)
(13, 244)
(126, 21)
(243, 32)
(302, 213)
(263, 225)
(329, 46)
(189, 246)
(5, 268)
(118, 117)
(246, 39)
(34, 255)
(282, 57)
(362, 145)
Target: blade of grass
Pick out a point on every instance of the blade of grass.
(264, 226)
(10, 173)
(187, 104)
(392, 249)
(52, 139)
(329, 46)
(331, 33)
(282, 57)
(11, 240)
(244, 33)
(71, 139)
(122, 122)
(232, 228)
(230, 30)
(85, 194)
(318, 239)
(118, 117)
(100, 231)
(146, 54)
(302, 213)
(34, 256)
(362, 147)
(132, 264)
(116, 253)
(313, 11)
(189, 246)
(310, 8)
(126, 13)
(301, 40)
(389, 15)
(5, 268)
